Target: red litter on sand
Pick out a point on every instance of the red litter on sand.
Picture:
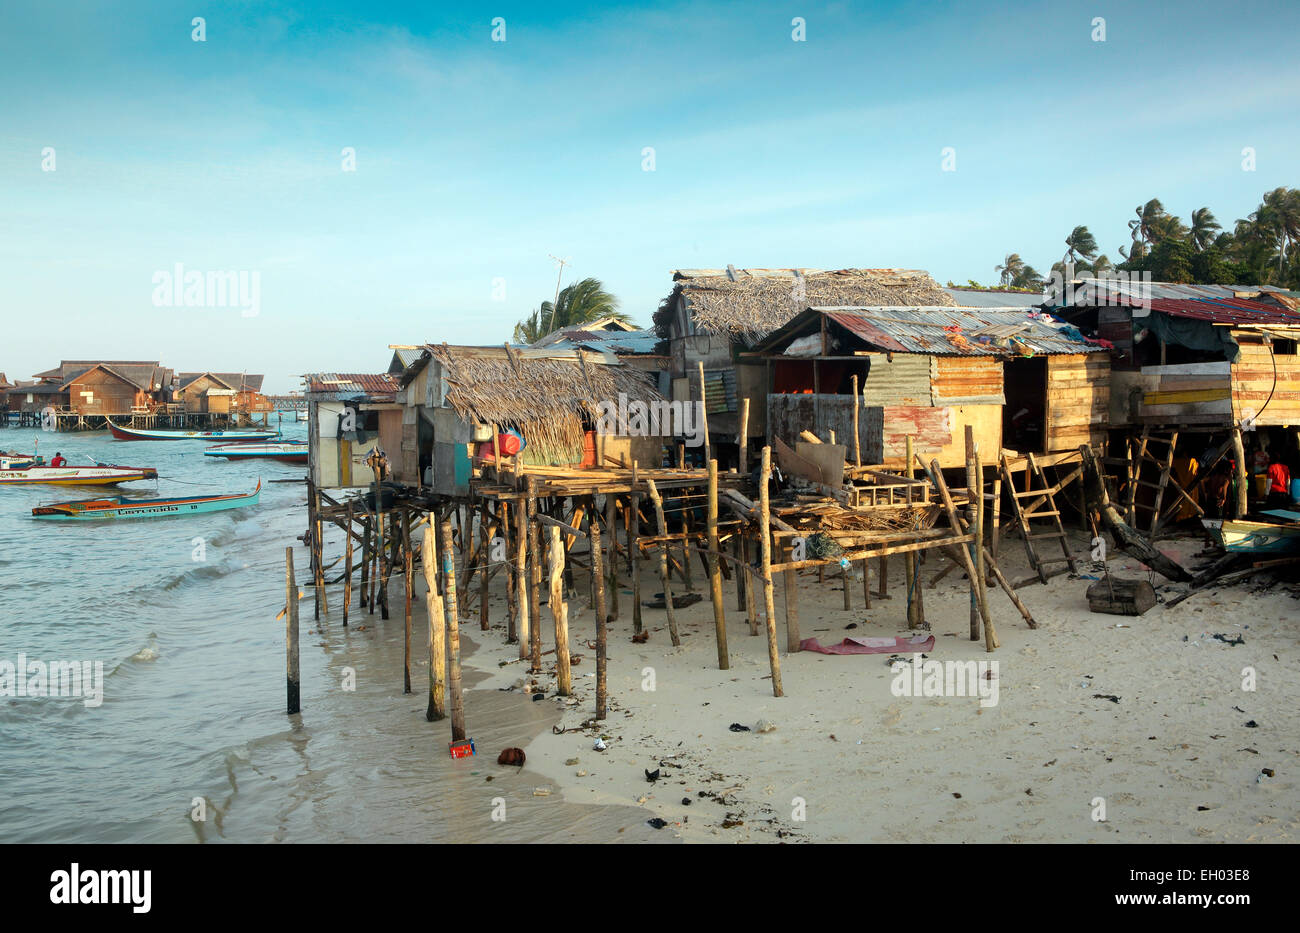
(463, 749)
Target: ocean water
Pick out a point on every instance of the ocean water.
(182, 614)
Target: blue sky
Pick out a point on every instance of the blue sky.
(476, 160)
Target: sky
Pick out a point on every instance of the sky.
(936, 136)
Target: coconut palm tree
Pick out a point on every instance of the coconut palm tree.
(1028, 277)
(1204, 229)
(1011, 267)
(578, 303)
(1080, 243)
(1143, 228)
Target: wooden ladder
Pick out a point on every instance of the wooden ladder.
(1042, 505)
(1141, 456)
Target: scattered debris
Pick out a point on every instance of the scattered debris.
(657, 823)
(511, 756)
(1106, 696)
(651, 776)
(737, 727)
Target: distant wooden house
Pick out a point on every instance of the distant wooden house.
(1193, 356)
(1019, 381)
(221, 393)
(555, 398)
(348, 416)
(711, 315)
(114, 388)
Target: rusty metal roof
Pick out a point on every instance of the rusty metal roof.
(942, 331)
(379, 386)
(1219, 304)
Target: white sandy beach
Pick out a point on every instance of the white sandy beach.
(1173, 760)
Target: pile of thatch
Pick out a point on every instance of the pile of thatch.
(748, 304)
(547, 400)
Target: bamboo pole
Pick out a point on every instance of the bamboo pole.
(611, 528)
(967, 561)
(974, 520)
(704, 417)
(634, 549)
(790, 592)
(291, 672)
(751, 600)
(1243, 503)
(437, 628)
(407, 568)
(560, 614)
(857, 447)
(512, 604)
(453, 635)
(521, 580)
(715, 571)
(664, 577)
(742, 436)
(347, 569)
(534, 578)
(483, 549)
(912, 583)
(765, 544)
(602, 622)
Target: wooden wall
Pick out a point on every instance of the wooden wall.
(966, 380)
(100, 393)
(1078, 400)
(1253, 382)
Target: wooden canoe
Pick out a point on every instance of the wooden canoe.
(287, 452)
(120, 507)
(140, 434)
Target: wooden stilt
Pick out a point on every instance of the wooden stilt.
(611, 563)
(437, 627)
(347, 568)
(765, 545)
(663, 562)
(715, 572)
(790, 592)
(857, 447)
(291, 673)
(512, 605)
(408, 565)
(742, 437)
(964, 554)
(560, 614)
(365, 564)
(453, 635)
(534, 578)
(704, 416)
(484, 550)
(634, 549)
(866, 583)
(602, 622)
(527, 618)
(1239, 452)
(751, 600)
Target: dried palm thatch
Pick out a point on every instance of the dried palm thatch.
(748, 304)
(834, 517)
(548, 400)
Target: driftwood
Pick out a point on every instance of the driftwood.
(1125, 538)
(1121, 597)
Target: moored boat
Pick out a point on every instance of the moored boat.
(119, 507)
(26, 473)
(140, 434)
(288, 452)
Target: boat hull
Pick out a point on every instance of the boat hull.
(1241, 537)
(285, 453)
(119, 508)
(75, 476)
(139, 434)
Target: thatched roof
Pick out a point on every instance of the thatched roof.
(512, 387)
(748, 304)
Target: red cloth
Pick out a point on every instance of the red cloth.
(59, 461)
(1279, 478)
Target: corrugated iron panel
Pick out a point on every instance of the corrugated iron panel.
(376, 385)
(958, 331)
(904, 381)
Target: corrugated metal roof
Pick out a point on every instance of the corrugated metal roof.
(944, 331)
(1220, 304)
(988, 298)
(620, 343)
(375, 385)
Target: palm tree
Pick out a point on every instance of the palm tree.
(1204, 229)
(1143, 228)
(578, 303)
(1080, 243)
(1011, 267)
(1101, 265)
(1277, 219)
(1027, 278)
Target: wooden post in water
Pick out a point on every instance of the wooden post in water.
(560, 614)
(365, 563)
(408, 565)
(602, 623)
(453, 634)
(535, 578)
(765, 530)
(347, 568)
(715, 570)
(291, 634)
(663, 562)
(437, 628)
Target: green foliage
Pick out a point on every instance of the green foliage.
(579, 303)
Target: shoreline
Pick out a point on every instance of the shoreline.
(1172, 760)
